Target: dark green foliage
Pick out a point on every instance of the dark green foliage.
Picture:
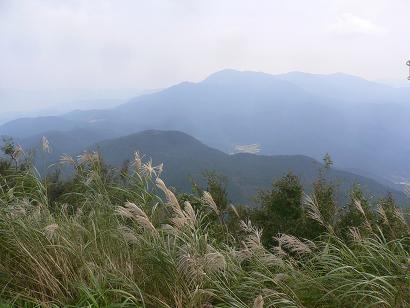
(281, 209)
(392, 222)
(351, 215)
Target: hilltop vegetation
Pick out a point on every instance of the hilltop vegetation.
(123, 238)
(186, 159)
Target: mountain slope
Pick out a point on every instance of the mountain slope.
(185, 157)
(347, 88)
(362, 124)
(25, 127)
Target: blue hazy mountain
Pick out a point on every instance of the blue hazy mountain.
(186, 158)
(362, 124)
(348, 88)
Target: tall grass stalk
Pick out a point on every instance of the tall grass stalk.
(138, 245)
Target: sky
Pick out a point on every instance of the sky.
(133, 44)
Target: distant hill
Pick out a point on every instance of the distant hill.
(185, 157)
(347, 88)
(25, 127)
(362, 124)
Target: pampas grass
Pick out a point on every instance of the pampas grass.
(138, 245)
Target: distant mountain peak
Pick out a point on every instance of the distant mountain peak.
(229, 75)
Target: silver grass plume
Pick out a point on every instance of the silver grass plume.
(18, 151)
(209, 201)
(295, 245)
(131, 210)
(67, 159)
(89, 157)
(313, 209)
(189, 213)
(138, 162)
(358, 205)
(253, 240)
(355, 234)
(172, 200)
(213, 260)
(50, 230)
(45, 145)
(148, 169)
(128, 234)
(382, 214)
(399, 215)
(233, 208)
(258, 302)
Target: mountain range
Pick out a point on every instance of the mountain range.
(186, 160)
(363, 125)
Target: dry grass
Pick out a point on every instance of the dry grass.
(145, 252)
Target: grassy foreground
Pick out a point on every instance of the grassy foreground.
(139, 245)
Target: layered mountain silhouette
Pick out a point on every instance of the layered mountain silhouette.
(363, 125)
(186, 159)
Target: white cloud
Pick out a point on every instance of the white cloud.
(351, 25)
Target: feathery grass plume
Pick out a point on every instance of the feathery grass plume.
(313, 209)
(89, 157)
(355, 234)
(358, 205)
(190, 213)
(272, 259)
(18, 152)
(382, 214)
(123, 212)
(128, 234)
(131, 210)
(213, 260)
(280, 277)
(45, 145)
(190, 264)
(179, 221)
(67, 159)
(246, 226)
(209, 201)
(233, 208)
(17, 210)
(91, 176)
(172, 200)
(138, 162)
(295, 245)
(146, 224)
(159, 169)
(134, 209)
(168, 229)
(253, 240)
(258, 302)
(399, 215)
(148, 169)
(50, 231)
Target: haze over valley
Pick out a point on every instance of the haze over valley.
(360, 123)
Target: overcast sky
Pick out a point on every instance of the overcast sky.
(46, 44)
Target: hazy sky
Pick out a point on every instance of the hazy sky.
(154, 43)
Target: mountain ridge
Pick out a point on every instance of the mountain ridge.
(296, 116)
(246, 173)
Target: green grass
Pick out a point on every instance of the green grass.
(138, 245)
